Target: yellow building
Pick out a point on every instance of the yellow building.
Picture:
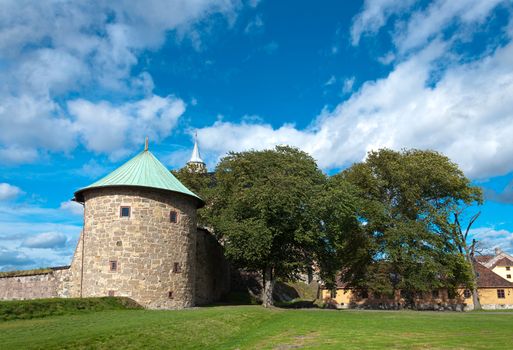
(501, 263)
(495, 289)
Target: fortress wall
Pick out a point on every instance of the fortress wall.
(42, 285)
(69, 280)
(146, 246)
(212, 269)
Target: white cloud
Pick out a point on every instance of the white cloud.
(256, 25)
(114, 130)
(13, 259)
(8, 191)
(46, 240)
(72, 207)
(33, 236)
(416, 26)
(92, 169)
(254, 3)
(374, 16)
(427, 24)
(467, 114)
(27, 123)
(332, 80)
(490, 238)
(51, 48)
(347, 87)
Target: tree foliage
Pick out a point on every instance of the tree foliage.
(267, 209)
(202, 184)
(407, 202)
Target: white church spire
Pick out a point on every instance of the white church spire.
(196, 164)
(195, 157)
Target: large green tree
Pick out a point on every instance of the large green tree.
(202, 184)
(408, 200)
(263, 211)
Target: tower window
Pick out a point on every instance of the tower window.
(177, 268)
(113, 264)
(170, 294)
(125, 212)
(508, 276)
(173, 216)
(508, 268)
(500, 294)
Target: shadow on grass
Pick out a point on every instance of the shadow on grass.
(244, 298)
(297, 304)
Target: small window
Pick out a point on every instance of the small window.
(170, 294)
(500, 294)
(125, 212)
(508, 268)
(508, 276)
(173, 216)
(435, 294)
(119, 243)
(111, 293)
(177, 268)
(467, 294)
(113, 265)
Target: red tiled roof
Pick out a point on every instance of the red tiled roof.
(489, 279)
(503, 262)
(484, 258)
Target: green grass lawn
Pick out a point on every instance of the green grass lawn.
(252, 327)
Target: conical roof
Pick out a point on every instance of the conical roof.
(144, 170)
(195, 156)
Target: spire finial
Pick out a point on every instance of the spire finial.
(146, 144)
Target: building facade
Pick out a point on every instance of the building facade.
(495, 291)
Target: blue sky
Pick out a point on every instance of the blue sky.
(83, 84)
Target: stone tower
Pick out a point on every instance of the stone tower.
(139, 237)
(196, 164)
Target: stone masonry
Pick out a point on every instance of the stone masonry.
(155, 258)
(43, 285)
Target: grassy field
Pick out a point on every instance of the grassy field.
(39, 308)
(252, 327)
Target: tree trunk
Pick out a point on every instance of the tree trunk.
(469, 255)
(475, 294)
(475, 299)
(267, 294)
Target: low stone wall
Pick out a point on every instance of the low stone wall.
(43, 285)
(497, 306)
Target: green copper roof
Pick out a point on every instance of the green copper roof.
(144, 170)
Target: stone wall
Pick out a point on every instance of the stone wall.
(69, 286)
(145, 246)
(160, 264)
(43, 285)
(212, 269)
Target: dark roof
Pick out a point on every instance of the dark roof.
(505, 261)
(489, 279)
(484, 258)
(486, 279)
